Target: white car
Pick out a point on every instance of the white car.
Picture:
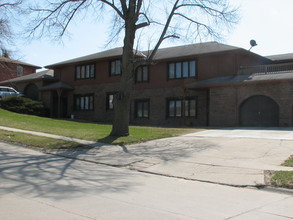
(8, 91)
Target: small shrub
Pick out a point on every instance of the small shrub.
(23, 105)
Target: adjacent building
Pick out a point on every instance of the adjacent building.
(10, 69)
(30, 84)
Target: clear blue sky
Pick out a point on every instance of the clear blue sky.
(269, 22)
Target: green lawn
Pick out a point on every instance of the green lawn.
(87, 131)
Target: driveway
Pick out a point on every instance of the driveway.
(227, 156)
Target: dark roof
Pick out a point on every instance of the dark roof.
(8, 60)
(239, 79)
(116, 52)
(192, 50)
(164, 53)
(57, 85)
(281, 57)
(46, 74)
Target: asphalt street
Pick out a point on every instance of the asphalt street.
(41, 186)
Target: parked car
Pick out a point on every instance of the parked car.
(8, 91)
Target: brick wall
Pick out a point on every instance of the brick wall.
(225, 102)
(9, 71)
(158, 101)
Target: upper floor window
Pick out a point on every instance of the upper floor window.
(115, 67)
(142, 74)
(86, 71)
(184, 69)
(19, 71)
(84, 102)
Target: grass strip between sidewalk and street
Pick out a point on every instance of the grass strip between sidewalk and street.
(284, 178)
(87, 131)
(37, 141)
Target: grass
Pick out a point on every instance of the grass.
(37, 141)
(284, 178)
(289, 162)
(87, 131)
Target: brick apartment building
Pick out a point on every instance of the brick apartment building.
(206, 84)
(10, 69)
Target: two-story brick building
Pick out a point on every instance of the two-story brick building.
(206, 84)
(183, 87)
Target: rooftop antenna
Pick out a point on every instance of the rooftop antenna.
(252, 44)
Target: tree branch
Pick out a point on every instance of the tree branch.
(71, 17)
(142, 25)
(11, 4)
(209, 29)
(162, 37)
(112, 5)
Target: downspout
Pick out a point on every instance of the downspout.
(208, 107)
(59, 92)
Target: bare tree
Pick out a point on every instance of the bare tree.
(171, 19)
(7, 8)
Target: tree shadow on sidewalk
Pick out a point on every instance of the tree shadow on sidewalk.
(26, 172)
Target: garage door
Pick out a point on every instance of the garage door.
(259, 111)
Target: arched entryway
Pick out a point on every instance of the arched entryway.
(259, 111)
(31, 91)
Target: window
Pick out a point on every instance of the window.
(176, 107)
(190, 107)
(84, 102)
(85, 71)
(142, 74)
(19, 71)
(110, 98)
(142, 108)
(178, 70)
(115, 67)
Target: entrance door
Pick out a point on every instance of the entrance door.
(259, 111)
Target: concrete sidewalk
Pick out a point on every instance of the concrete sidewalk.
(227, 156)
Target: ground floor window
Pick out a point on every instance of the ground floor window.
(174, 108)
(109, 100)
(142, 108)
(181, 107)
(84, 102)
(190, 107)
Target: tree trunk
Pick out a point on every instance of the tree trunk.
(122, 99)
(120, 125)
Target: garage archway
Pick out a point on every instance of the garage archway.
(31, 91)
(259, 111)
